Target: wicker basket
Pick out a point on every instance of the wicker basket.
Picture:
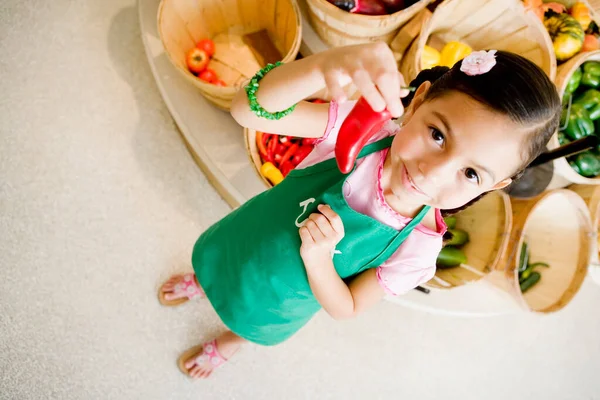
(561, 165)
(182, 23)
(558, 229)
(484, 24)
(486, 223)
(337, 27)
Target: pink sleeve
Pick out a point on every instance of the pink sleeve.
(411, 265)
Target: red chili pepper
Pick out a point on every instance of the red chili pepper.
(308, 141)
(318, 101)
(286, 168)
(262, 150)
(289, 153)
(358, 127)
(280, 149)
(272, 146)
(301, 154)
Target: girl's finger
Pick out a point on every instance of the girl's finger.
(332, 80)
(367, 88)
(323, 224)
(333, 217)
(389, 86)
(402, 83)
(305, 235)
(314, 230)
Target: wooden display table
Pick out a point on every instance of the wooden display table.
(216, 142)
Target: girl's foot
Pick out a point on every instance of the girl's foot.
(179, 289)
(201, 361)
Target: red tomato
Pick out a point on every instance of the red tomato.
(197, 60)
(208, 75)
(207, 45)
(219, 82)
(590, 43)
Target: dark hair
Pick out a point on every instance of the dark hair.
(515, 87)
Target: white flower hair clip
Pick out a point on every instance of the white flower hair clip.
(478, 62)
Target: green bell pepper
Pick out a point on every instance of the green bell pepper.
(579, 123)
(590, 99)
(591, 74)
(574, 81)
(575, 167)
(588, 163)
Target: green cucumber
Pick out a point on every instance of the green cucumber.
(450, 257)
(530, 281)
(459, 237)
(450, 222)
(524, 259)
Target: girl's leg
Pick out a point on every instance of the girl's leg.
(199, 364)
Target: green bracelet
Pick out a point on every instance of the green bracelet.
(251, 89)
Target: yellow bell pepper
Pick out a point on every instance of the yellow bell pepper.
(271, 172)
(430, 57)
(453, 52)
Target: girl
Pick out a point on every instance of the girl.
(322, 239)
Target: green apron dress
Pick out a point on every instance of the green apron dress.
(249, 262)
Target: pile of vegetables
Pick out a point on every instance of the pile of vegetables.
(197, 60)
(372, 7)
(528, 277)
(581, 116)
(451, 254)
(451, 53)
(572, 29)
(281, 154)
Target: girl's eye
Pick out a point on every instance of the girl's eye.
(472, 175)
(437, 136)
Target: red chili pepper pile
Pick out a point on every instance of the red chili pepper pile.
(285, 152)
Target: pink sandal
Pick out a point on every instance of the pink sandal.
(188, 286)
(210, 354)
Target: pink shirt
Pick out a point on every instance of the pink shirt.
(414, 261)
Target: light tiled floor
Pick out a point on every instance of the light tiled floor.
(100, 201)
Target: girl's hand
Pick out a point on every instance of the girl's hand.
(373, 70)
(320, 235)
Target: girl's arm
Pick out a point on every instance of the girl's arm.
(371, 67)
(340, 300)
(320, 235)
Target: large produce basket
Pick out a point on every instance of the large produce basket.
(483, 24)
(486, 223)
(338, 27)
(561, 165)
(230, 24)
(591, 196)
(557, 228)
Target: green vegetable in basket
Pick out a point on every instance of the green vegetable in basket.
(591, 74)
(574, 81)
(450, 222)
(530, 281)
(459, 237)
(588, 164)
(530, 269)
(524, 257)
(575, 167)
(562, 139)
(576, 122)
(590, 100)
(450, 257)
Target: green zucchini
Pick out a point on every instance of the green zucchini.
(450, 257)
(528, 283)
(524, 258)
(459, 237)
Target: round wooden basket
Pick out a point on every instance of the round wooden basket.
(337, 27)
(591, 196)
(491, 24)
(558, 230)
(561, 165)
(247, 34)
(486, 223)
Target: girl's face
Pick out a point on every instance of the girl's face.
(452, 149)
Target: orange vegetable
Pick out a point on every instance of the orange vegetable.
(590, 43)
(582, 14)
(540, 8)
